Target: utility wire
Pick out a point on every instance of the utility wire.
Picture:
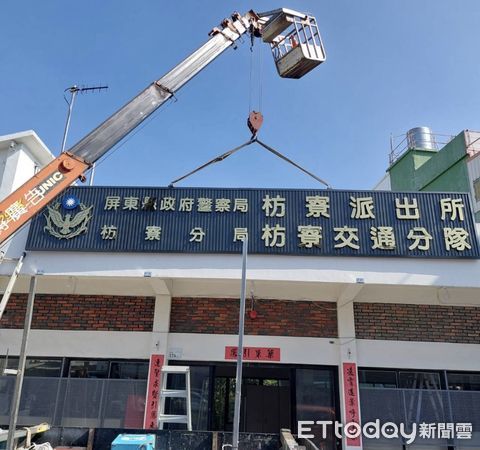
(250, 81)
(255, 83)
(260, 79)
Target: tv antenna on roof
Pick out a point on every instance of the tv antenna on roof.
(74, 90)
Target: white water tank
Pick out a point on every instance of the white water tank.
(421, 138)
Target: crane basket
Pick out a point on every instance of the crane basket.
(295, 42)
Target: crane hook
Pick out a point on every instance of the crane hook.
(254, 122)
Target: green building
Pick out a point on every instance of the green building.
(423, 161)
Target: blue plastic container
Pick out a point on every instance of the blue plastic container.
(134, 442)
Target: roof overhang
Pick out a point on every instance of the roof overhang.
(32, 142)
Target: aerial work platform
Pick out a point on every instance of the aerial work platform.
(295, 41)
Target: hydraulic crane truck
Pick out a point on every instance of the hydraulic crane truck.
(296, 47)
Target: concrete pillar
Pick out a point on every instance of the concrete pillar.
(161, 323)
(348, 370)
(158, 357)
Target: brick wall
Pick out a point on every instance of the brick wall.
(82, 312)
(275, 317)
(429, 323)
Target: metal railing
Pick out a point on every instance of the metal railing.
(76, 402)
(302, 32)
(401, 143)
(430, 406)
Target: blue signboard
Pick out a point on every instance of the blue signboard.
(277, 221)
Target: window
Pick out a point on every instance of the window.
(88, 369)
(401, 379)
(10, 362)
(316, 401)
(464, 381)
(315, 397)
(419, 380)
(220, 390)
(200, 394)
(35, 367)
(129, 370)
(53, 367)
(378, 378)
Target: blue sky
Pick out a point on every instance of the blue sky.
(391, 65)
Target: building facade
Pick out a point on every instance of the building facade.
(360, 306)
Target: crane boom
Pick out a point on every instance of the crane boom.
(45, 185)
(295, 53)
(127, 118)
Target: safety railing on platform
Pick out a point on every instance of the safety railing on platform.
(425, 406)
(403, 142)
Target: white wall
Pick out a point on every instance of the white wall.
(80, 344)
(18, 166)
(418, 355)
(299, 350)
(382, 271)
(211, 347)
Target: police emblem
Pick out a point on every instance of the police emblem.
(69, 225)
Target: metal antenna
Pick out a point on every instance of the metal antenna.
(74, 90)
